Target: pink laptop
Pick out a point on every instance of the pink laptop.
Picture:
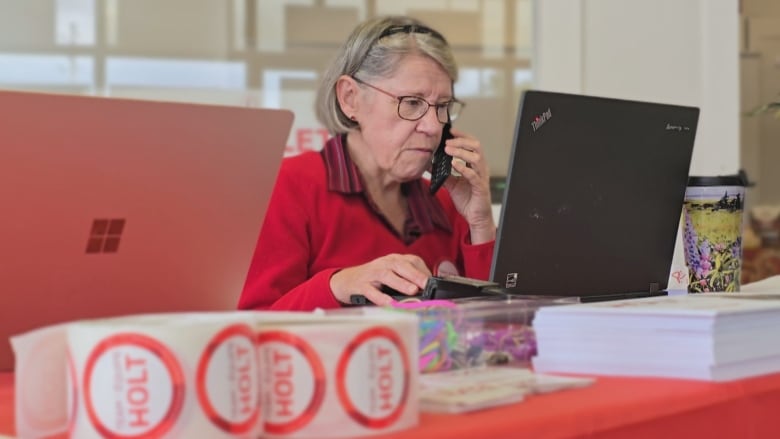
(116, 206)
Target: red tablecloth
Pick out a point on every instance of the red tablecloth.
(6, 403)
(612, 408)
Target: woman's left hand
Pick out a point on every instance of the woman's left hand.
(470, 192)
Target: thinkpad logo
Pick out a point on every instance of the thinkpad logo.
(104, 235)
(541, 119)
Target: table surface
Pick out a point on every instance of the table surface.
(611, 408)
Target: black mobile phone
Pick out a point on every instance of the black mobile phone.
(442, 162)
(359, 299)
(439, 288)
(456, 287)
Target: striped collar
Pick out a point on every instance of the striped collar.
(425, 212)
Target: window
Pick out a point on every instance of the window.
(256, 53)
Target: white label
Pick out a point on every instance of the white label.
(131, 390)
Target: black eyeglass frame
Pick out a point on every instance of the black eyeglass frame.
(446, 105)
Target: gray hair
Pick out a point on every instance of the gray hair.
(372, 52)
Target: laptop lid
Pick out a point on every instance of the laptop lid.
(113, 206)
(593, 197)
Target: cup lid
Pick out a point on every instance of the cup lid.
(719, 180)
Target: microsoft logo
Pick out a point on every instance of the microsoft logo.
(104, 235)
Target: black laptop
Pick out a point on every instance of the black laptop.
(593, 196)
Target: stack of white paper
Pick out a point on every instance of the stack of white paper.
(702, 336)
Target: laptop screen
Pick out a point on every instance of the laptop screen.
(594, 194)
(114, 206)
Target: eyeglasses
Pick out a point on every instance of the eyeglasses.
(414, 107)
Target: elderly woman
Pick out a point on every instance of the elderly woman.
(358, 216)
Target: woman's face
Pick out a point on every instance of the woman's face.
(402, 149)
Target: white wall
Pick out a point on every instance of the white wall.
(673, 51)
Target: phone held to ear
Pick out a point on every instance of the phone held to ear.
(442, 162)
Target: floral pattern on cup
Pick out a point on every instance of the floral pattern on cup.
(713, 243)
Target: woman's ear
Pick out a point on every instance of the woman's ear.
(347, 94)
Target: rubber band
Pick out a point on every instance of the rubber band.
(515, 343)
(415, 303)
(449, 339)
(437, 333)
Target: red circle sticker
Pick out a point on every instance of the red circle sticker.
(228, 384)
(372, 377)
(293, 379)
(133, 387)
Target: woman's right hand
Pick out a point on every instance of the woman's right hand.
(406, 274)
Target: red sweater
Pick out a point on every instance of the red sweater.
(311, 231)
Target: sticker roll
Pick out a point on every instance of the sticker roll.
(45, 400)
(186, 375)
(341, 377)
(41, 393)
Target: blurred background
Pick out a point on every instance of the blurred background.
(270, 53)
(256, 53)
